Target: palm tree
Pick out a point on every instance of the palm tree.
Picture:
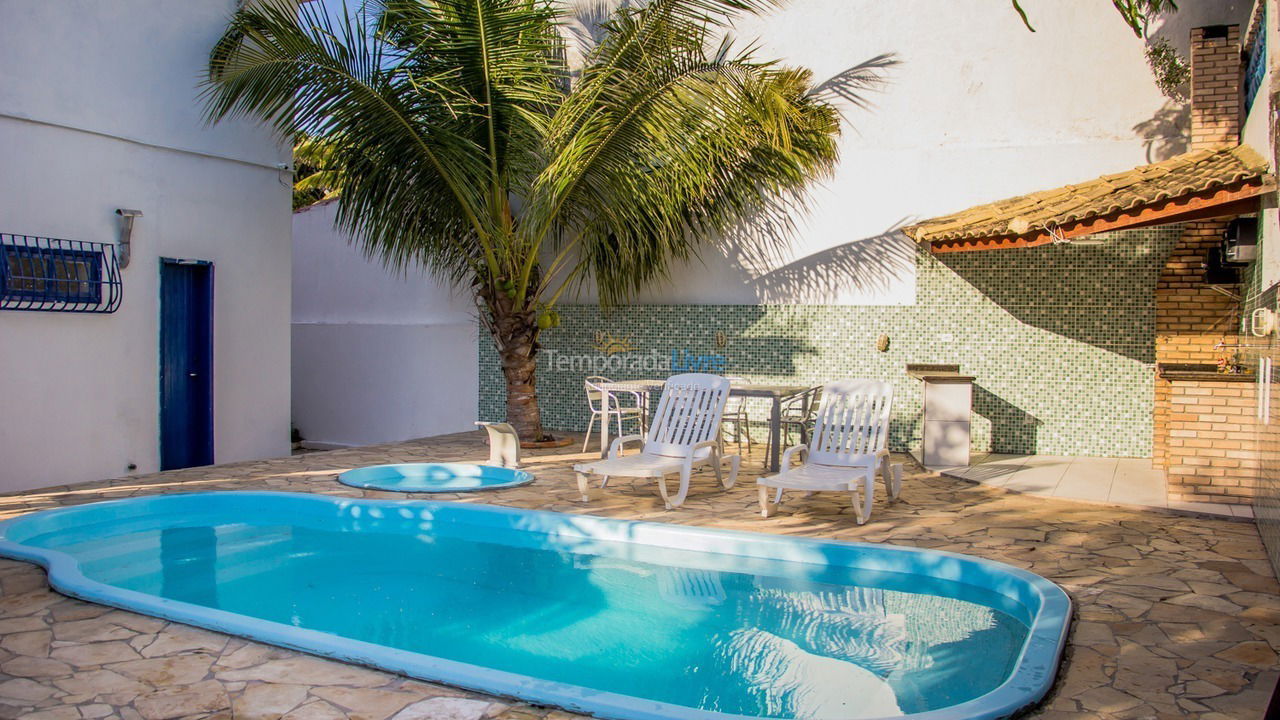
(313, 179)
(464, 140)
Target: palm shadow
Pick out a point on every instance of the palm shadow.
(1166, 133)
(854, 85)
(585, 23)
(1013, 430)
(759, 249)
(868, 265)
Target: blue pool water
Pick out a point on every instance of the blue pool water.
(621, 619)
(435, 477)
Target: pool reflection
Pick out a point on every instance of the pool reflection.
(188, 565)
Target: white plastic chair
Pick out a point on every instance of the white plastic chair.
(796, 412)
(605, 405)
(684, 436)
(735, 413)
(850, 442)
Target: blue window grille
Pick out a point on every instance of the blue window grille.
(52, 275)
(1256, 64)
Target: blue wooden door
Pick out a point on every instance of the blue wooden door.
(186, 364)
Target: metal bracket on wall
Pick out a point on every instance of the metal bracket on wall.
(126, 234)
(1222, 289)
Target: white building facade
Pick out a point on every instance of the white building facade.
(100, 111)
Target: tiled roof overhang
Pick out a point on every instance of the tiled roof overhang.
(1193, 186)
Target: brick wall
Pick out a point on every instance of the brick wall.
(1216, 72)
(1212, 442)
(1191, 318)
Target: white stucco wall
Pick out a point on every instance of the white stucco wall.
(378, 355)
(99, 110)
(978, 109)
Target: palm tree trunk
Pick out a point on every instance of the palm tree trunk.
(516, 337)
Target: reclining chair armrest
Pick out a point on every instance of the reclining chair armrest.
(615, 448)
(785, 465)
(713, 444)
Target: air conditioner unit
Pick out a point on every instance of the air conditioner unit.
(1240, 241)
(1219, 272)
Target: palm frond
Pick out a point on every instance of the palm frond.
(503, 56)
(458, 142)
(670, 143)
(403, 130)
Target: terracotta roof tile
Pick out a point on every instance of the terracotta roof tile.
(1181, 175)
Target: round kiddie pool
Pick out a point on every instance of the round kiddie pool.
(435, 477)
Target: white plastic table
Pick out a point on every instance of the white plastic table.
(775, 393)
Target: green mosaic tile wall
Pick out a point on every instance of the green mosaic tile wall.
(1060, 338)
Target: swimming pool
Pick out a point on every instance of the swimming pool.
(435, 477)
(615, 618)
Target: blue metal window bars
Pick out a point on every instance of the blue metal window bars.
(52, 275)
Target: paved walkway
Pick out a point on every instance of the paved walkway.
(1116, 481)
(1176, 616)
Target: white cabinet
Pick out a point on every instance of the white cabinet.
(948, 407)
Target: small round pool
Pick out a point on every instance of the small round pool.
(434, 477)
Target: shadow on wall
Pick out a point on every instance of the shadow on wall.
(757, 340)
(1013, 430)
(852, 85)
(1167, 133)
(1101, 295)
(757, 254)
(759, 349)
(872, 264)
(759, 248)
(1176, 26)
(585, 23)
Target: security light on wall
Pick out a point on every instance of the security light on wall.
(126, 233)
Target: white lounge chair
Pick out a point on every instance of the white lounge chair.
(684, 436)
(850, 442)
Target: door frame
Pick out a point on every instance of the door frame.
(207, 446)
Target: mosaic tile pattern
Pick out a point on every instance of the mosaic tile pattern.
(1060, 338)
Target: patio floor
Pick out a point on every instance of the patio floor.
(1117, 481)
(1176, 616)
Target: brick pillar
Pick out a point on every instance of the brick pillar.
(1212, 447)
(1216, 72)
(1191, 318)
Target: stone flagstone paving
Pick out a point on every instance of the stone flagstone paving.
(1176, 616)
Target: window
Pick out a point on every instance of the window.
(51, 275)
(31, 273)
